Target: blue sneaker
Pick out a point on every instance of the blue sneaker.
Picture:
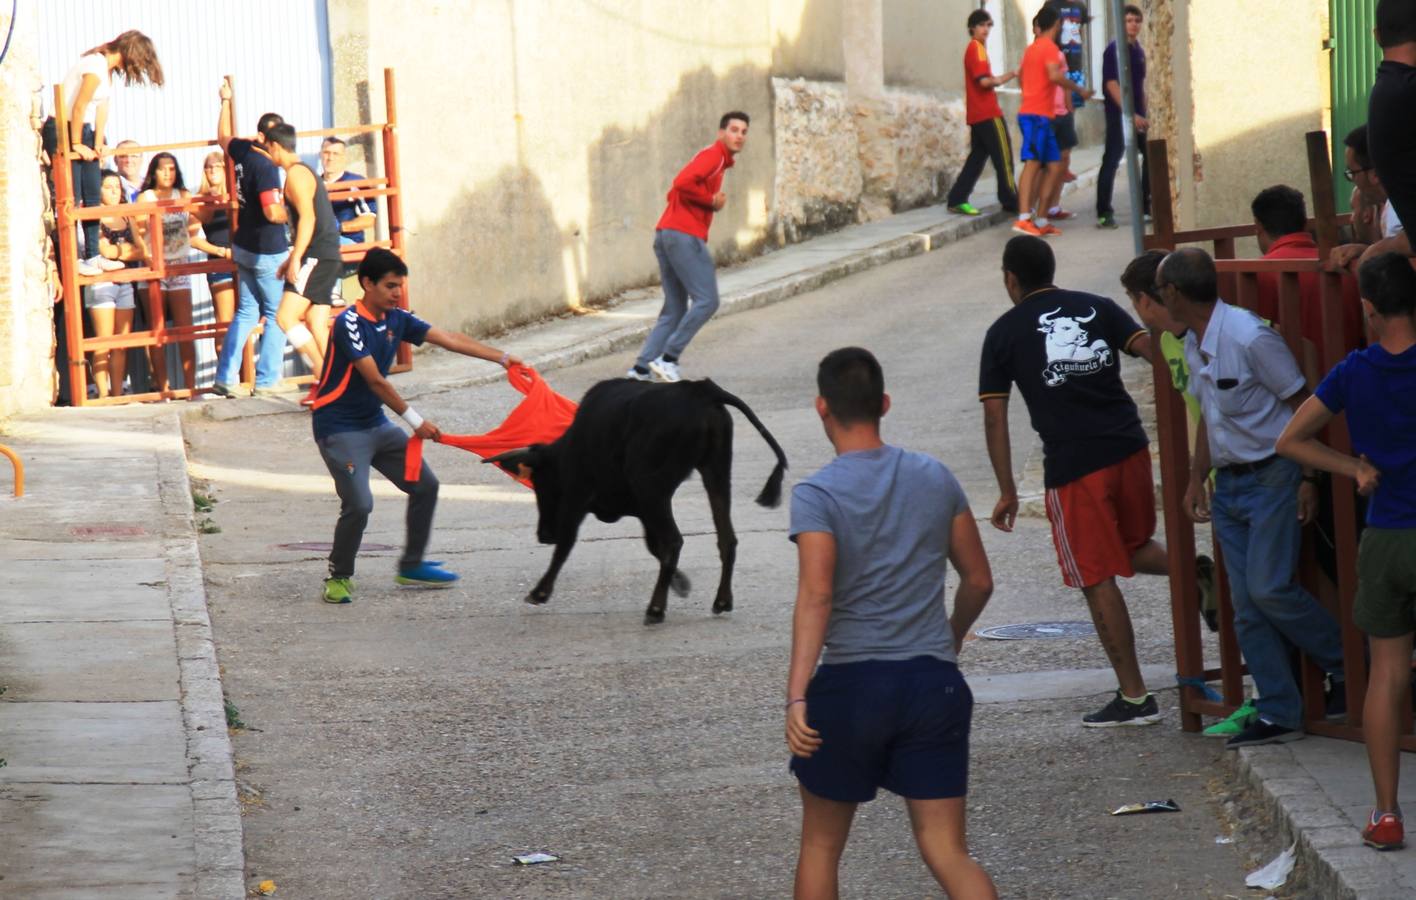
(426, 574)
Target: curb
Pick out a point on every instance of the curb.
(951, 229)
(216, 813)
(1330, 849)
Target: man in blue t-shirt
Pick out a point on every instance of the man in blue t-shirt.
(1376, 387)
(876, 531)
(258, 248)
(1063, 351)
(353, 434)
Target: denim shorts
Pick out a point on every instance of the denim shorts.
(898, 724)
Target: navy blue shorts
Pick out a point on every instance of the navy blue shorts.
(898, 724)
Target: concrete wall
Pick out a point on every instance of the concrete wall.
(26, 312)
(1236, 114)
(537, 164)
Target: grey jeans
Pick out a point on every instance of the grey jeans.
(348, 455)
(686, 268)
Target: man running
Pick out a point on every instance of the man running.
(353, 433)
(311, 271)
(1062, 349)
(681, 244)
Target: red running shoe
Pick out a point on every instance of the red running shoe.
(1026, 226)
(1385, 833)
(1047, 231)
(1061, 214)
(1069, 177)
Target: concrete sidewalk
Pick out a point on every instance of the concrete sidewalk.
(119, 779)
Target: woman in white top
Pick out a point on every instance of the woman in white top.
(181, 231)
(86, 90)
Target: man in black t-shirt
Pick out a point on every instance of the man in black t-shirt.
(258, 248)
(1391, 130)
(1061, 348)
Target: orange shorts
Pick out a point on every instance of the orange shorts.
(1100, 520)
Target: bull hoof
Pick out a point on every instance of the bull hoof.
(654, 617)
(680, 584)
(722, 605)
(538, 598)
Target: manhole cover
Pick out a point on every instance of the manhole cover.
(325, 547)
(1037, 631)
(107, 531)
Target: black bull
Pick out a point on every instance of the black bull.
(628, 449)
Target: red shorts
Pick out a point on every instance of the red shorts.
(1100, 520)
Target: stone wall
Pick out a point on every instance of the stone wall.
(821, 172)
(26, 312)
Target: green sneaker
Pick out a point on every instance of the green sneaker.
(1238, 720)
(1106, 221)
(338, 590)
(964, 209)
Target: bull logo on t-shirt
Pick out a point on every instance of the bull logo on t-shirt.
(1070, 349)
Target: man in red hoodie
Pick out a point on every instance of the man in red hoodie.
(681, 244)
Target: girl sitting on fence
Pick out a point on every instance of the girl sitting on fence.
(110, 305)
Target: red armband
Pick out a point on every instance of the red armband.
(271, 197)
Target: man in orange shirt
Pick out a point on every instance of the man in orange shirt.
(1040, 74)
(988, 132)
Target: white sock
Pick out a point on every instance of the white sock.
(1025, 217)
(1041, 221)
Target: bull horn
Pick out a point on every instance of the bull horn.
(1088, 318)
(511, 460)
(1046, 318)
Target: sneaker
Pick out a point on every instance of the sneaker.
(1335, 701)
(1238, 720)
(224, 390)
(1121, 711)
(425, 574)
(1384, 832)
(1106, 220)
(277, 390)
(89, 268)
(1048, 230)
(1060, 214)
(338, 590)
(638, 375)
(1261, 732)
(964, 209)
(665, 370)
(1025, 226)
(1069, 176)
(1209, 596)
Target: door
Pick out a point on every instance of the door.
(1354, 67)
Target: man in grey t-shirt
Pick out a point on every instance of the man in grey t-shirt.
(876, 530)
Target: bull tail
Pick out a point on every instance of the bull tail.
(772, 491)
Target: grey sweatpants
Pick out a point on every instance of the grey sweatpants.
(686, 268)
(349, 455)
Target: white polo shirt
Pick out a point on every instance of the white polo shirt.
(1242, 372)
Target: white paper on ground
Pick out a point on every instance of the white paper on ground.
(1276, 872)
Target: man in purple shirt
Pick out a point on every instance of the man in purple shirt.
(1115, 133)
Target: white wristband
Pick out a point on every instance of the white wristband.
(410, 415)
(505, 357)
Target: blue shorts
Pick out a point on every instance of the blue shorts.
(1039, 140)
(898, 724)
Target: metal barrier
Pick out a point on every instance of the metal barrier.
(1239, 284)
(159, 335)
(19, 467)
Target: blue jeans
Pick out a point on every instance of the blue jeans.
(258, 295)
(1256, 522)
(686, 268)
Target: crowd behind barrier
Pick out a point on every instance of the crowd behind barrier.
(1329, 560)
(147, 270)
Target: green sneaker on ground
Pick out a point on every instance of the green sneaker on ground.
(964, 209)
(338, 590)
(1238, 720)
(1106, 221)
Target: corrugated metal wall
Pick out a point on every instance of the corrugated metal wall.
(1354, 67)
(276, 50)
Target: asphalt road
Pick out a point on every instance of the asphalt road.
(408, 745)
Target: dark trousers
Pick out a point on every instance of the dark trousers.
(349, 455)
(88, 182)
(987, 140)
(1111, 160)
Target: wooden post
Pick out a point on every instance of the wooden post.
(1163, 228)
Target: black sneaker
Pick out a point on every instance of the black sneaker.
(1209, 591)
(1335, 701)
(1121, 711)
(1261, 732)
